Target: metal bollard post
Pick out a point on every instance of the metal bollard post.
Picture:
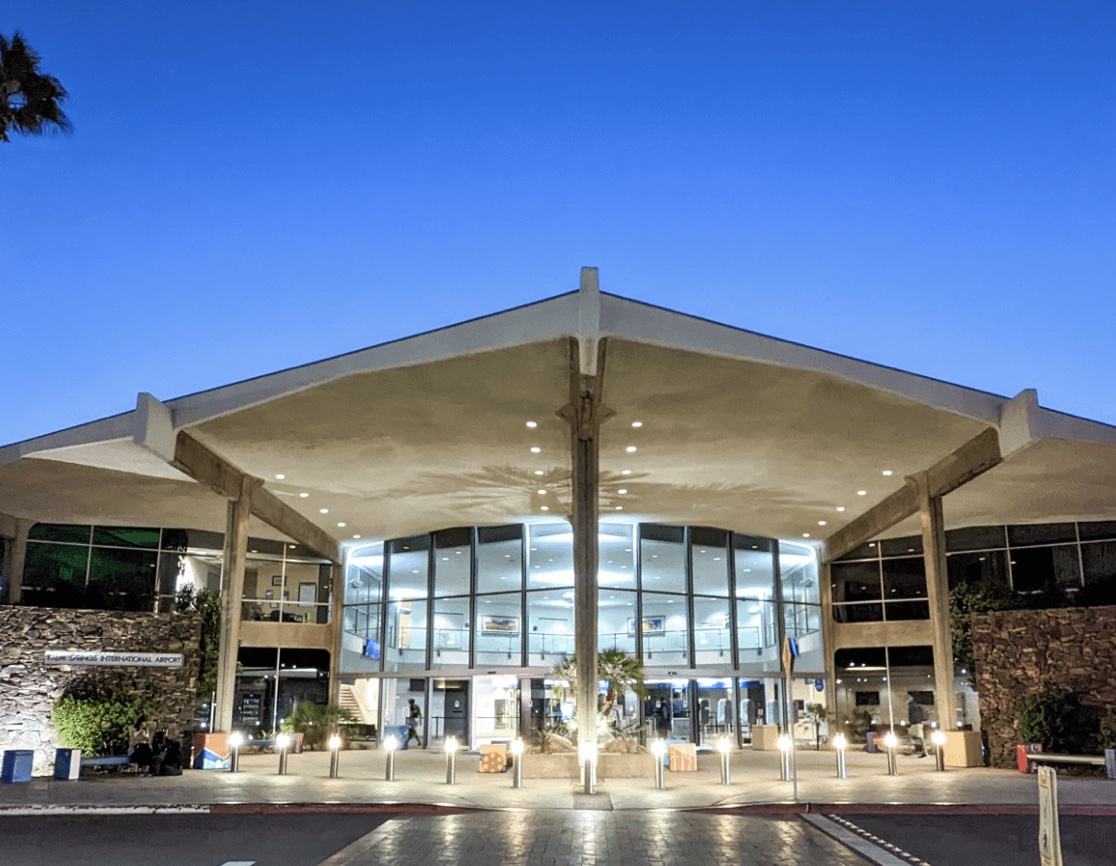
(390, 745)
(658, 749)
(723, 746)
(451, 760)
(235, 741)
(839, 745)
(283, 742)
(517, 762)
(587, 751)
(939, 740)
(785, 745)
(892, 744)
(334, 756)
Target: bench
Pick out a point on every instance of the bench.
(107, 762)
(1080, 760)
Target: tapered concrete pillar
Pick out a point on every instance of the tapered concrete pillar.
(937, 592)
(830, 701)
(16, 559)
(232, 593)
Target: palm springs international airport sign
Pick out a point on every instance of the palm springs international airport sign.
(97, 658)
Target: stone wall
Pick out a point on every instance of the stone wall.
(29, 687)
(1021, 652)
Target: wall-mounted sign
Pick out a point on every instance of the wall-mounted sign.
(114, 659)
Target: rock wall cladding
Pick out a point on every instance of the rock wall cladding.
(1021, 652)
(29, 687)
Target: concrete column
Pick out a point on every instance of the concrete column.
(232, 593)
(937, 591)
(16, 559)
(826, 587)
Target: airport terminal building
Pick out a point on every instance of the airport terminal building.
(446, 517)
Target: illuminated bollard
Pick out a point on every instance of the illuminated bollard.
(724, 746)
(939, 740)
(236, 740)
(517, 760)
(839, 745)
(451, 760)
(283, 742)
(390, 745)
(785, 745)
(334, 756)
(892, 744)
(587, 754)
(658, 749)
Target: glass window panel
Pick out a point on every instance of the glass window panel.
(265, 547)
(756, 629)
(755, 567)
(59, 532)
(549, 555)
(898, 610)
(798, 566)
(1101, 531)
(868, 550)
(986, 568)
(800, 620)
(662, 551)
(904, 578)
(306, 592)
(360, 638)
(499, 558)
(120, 536)
(551, 617)
(364, 575)
(263, 587)
(498, 634)
(1042, 533)
(54, 575)
(451, 632)
(856, 581)
(709, 554)
(858, 613)
(123, 579)
(407, 567)
(1034, 569)
(1099, 560)
(901, 546)
(616, 620)
(617, 557)
(712, 632)
(192, 539)
(405, 643)
(453, 562)
(976, 538)
(666, 637)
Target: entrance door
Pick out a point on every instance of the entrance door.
(667, 709)
(456, 719)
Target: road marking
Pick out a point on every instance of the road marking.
(871, 848)
(239, 863)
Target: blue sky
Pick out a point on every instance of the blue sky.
(253, 185)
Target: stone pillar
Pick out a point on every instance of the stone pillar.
(232, 594)
(937, 591)
(826, 587)
(16, 559)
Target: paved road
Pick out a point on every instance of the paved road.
(992, 840)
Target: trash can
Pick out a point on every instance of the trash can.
(67, 764)
(17, 765)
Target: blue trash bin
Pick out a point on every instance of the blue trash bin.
(17, 765)
(67, 764)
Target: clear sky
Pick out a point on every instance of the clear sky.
(253, 185)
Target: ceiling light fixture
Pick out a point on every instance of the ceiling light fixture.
(324, 510)
(637, 423)
(887, 472)
(622, 491)
(631, 449)
(303, 495)
(821, 523)
(532, 424)
(840, 507)
(356, 536)
(805, 534)
(862, 493)
(280, 477)
(542, 493)
(342, 525)
(535, 449)
(625, 471)
(619, 507)
(545, 508)
(538, 472)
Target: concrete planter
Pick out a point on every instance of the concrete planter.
(562, 765)
(620, 765)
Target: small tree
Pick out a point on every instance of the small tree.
(620, 671)
(30, 102)
(208, 606)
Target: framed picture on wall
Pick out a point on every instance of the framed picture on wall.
(269, 594)
(276, 580)
(307, 593)
(651, 625)
(500, 624)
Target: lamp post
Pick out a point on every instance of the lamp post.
(785, 744)
(892, 744)
(723, 746)
(283, 742)
(451, 760)
(587, 754)
(517, 761)
(658, 749)
(839, 745)
(334, 756)
(390, 745)
(939, 740)
(236, 740)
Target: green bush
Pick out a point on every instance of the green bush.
(315, 722)
(98, 725)
(1060, 722)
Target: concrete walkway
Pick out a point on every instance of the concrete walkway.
(420, 781)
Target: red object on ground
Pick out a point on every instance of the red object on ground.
(1021, 753)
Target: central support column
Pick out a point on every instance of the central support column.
(232, 593)
(16, 558)
(937, 592)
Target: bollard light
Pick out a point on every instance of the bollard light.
(785, 744)
(283, 742)
(839, 745)
(587, 755)
(892, 744)
(236, 740)
(724, 746)
(451, 760)
(658, 749)
(334, 755)
(517, 760)
(390, 745)
(938, 738)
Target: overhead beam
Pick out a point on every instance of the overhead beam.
(207, 467)
(974, 458)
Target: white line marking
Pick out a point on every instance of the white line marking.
(831, 825)
(239, 863)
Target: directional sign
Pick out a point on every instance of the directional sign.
(790, 651)
(1050, 840)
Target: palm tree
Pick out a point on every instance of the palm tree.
(618, 669)
(29, 101)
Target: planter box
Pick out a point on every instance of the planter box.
(562, 765)
(764, 738)
(622, 765)
(963, 749)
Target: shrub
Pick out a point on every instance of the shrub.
(315, 722)
(99, 724)
(1060, 722)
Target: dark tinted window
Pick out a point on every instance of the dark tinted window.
(1042, 533)
(871, 657)
(975, 538)
(1099, 560)
(975, 569)
(901, 546)
(855, 581)
(113, 536)
(651, 532)
(902, 610)
(869, 550)
(196, 539)
(59, 532)
(910, 656)
(904, 578)
(122, 579)
(858, 612)
(54, 575)
(1038, 568)
(1097, 531)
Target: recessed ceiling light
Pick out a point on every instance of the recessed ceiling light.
(625, 471)
(545, 508)
(458, 552)
(840, 507)
(324, 510)
(631, 449)
(280, 477)
(805, 534)
(445, 559)
(303, 495)
(821, 523)
(716, 559)
(532, 424)
(862, 493)
(887, 472)
(538, 472)
(292, 546)
(542, 493)
(619, 507)
(622, 491)
(342, 525)
(356, 536)
(535, 449)
(637, 423)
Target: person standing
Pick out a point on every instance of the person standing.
(414, 719)
(916, 719)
